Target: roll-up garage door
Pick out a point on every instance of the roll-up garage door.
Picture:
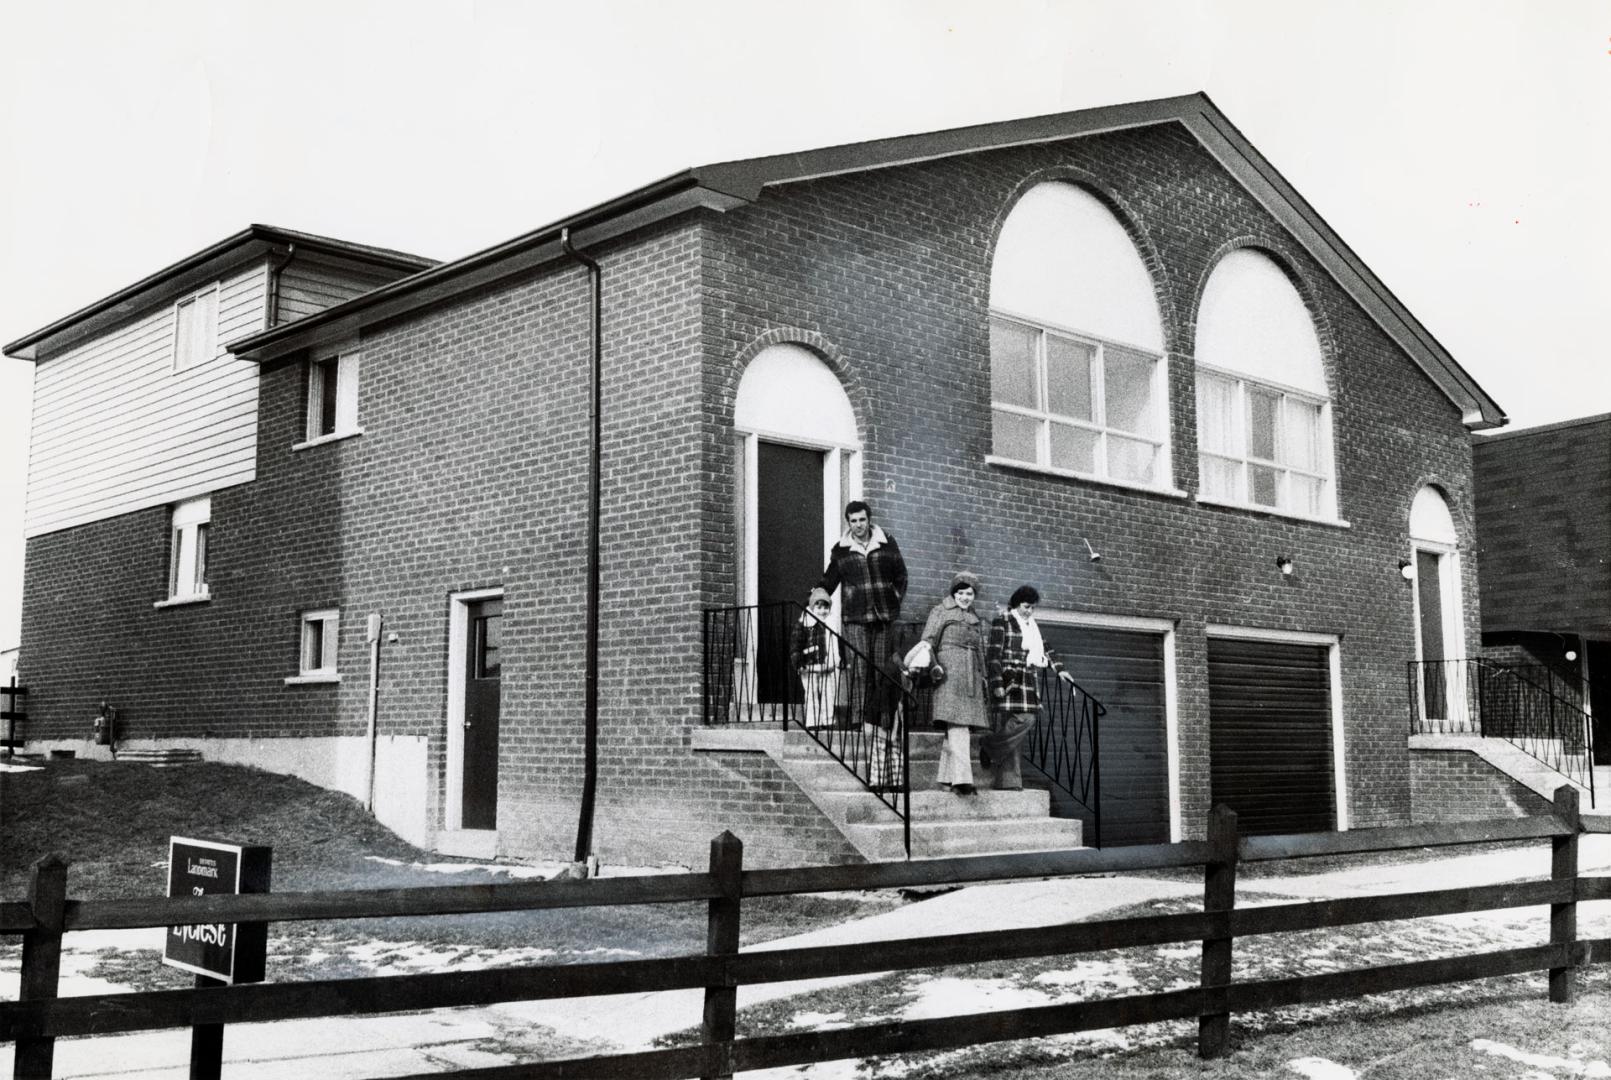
(1270, 744)
(1124, 670)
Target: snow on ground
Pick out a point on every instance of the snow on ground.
(525, 871)
(1318, 1068)
(9, 766)
(1547, 1066)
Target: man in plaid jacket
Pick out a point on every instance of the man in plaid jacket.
(866, 566)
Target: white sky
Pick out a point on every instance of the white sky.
(1462, 148)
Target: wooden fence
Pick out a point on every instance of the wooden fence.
(40, 1017)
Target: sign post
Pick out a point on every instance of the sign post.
(219, 954)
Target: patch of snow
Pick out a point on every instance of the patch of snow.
(6, 766)
(1106, 1039)
(525, 871)
(419, 957)
(1553, 1066)
(1101, 974)
(1319, 1068)
(818, 1021)
(948, 996)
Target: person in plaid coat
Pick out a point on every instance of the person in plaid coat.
(1013, 661)
(866, 566)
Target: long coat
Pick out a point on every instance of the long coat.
(1013, 686)
(954, 635)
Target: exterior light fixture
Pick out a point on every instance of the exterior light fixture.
(1406, 569)
(1096, 556)
(1284, 564)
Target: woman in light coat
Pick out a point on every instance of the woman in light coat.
(953, 634)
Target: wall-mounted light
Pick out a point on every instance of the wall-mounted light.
(1096, 556)
(1406, 569)
(1283, 563)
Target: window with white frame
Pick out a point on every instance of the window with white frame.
(1264, 429)
(332, 396)
(195, 329)
(1078, 385)
(187, 562)
(319, 639)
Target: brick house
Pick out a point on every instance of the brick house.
(1117, 331)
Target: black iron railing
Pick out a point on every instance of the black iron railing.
(856, 711)
(1063, 744)
(1482, 697)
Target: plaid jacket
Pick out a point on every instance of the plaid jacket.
(873, 584)
(1012, 683)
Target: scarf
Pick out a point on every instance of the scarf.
(1034, 644)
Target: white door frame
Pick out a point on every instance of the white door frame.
(1339, 743)
(458, 641)
(1453, 626)
(1166, 628)
(841, 469)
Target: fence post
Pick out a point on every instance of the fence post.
(41, 961)
(1219, 894)
(721, 939)
(1563, 917)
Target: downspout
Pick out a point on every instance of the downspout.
(590, 707)
(271, 310)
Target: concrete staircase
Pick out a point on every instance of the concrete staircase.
(943, 824)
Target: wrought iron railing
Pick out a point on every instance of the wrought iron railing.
(1063, 744)
(857, 712)
(1482, 697)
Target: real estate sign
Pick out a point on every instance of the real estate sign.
(223, 951)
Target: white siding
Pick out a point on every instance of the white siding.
(311, 284)
(116, 428)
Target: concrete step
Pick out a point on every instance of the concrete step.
(854, 808)
(801, 744)
(941, 839)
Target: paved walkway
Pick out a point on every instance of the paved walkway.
(469, 1038)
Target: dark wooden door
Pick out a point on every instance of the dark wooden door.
(789, 553)
(1270, 735)
(1599, 698)
(1434, 673)
(482, 668)
(1124, 670)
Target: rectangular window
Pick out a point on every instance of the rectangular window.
(1263, 446)
(333, 396)
(187, 563)
(195, 329)
(1076, 404)
(319, 639)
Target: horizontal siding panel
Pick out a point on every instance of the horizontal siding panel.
(116, 429)
(311, 285)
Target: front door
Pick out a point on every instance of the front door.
(481, 679)
(789, 556)
(1597, 658)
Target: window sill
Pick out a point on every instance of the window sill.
(1088, 478)
(313, 680)
(1274, 511)
(182, 601)
(335, 436)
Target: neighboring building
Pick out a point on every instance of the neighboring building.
(1544, 545)
(1114, 331)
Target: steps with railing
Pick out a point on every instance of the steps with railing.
(1482, 697)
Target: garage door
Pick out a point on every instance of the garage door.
(1124, 670)
(1270, 745)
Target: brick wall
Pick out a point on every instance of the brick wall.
(1456, 786)
(470, 474)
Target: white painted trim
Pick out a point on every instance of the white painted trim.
(182, 601)
(312, 680)
(1273, 511)
(322, 439)
(1339, 742)
(1166, 629)
(752, 512)
(1070, 474)
(795, 439)
(458, 639)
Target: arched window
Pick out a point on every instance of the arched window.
(1263, 409)
(1077, 379)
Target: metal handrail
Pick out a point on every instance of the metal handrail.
(1482, 697)
(857, 713)
(1061, 753)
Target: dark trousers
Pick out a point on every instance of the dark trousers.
(1004, 747)
(867, 691)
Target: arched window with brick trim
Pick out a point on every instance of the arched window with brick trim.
(1263, 408)
(1078, 385)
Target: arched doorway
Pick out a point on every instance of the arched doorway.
(1439, 629)
(798, 461)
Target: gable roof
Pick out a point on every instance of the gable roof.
(726, 185)
(255, 241)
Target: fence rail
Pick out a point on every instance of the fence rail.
(13, 701)
(40, 1017)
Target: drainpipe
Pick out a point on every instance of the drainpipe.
(372, 631)
(271, 310)
(590, 708)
